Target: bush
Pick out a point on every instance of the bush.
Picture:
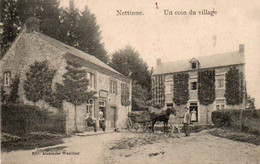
(231, 119)
(20, 119)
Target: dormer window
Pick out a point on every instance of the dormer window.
(194, 65)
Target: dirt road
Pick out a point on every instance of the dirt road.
(199, 148)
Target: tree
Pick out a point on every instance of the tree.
(140, 97)
(75, 28)
(128, 62)
(10, 27)
(90, 38)
(80, 30)
(15, 13)
(38, 82)
(206, 88)
(74, 87)
(181, 88)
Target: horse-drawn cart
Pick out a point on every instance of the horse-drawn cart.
(145, 120)
(139, 120)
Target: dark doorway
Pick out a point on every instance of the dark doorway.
(194, 112)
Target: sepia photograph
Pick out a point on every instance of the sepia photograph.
(126, 82)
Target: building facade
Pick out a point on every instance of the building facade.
(163, 83)
(31, 46)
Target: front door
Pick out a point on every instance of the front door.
(194, 112)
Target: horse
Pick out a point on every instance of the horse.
(163, 116)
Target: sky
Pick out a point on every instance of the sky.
(176, 37)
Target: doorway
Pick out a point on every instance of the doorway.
(102, 108)
(194, 111)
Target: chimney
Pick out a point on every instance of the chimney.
(32, 24)
(159, 61)
(241, 48)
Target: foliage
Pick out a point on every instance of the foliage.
(14, 89)
(128, 62)
(125, 95)
(206, 87)
(4, 96)
(181, 88)
(250, 102)
(140, 97)
(22, 119)
(231, 119)
(38, 82)
(90, 38)
(234, 92)
(15, 13)
(158, 90)
(78, 29)
(74, 87)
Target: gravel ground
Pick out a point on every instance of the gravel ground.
(125, 147)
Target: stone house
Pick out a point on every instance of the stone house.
(31, 45)
(221, 63)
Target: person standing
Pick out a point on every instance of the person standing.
(186, 122)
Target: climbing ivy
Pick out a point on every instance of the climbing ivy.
(158, 90)
(181, 88)
(206, 87)
(234, 92)
(125, 95)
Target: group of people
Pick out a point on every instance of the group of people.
(92, 122)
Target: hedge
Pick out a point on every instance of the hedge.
(231, 119)
(20, 119)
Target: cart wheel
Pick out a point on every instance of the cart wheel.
(144, 127)
(137, 126)
(129, 124)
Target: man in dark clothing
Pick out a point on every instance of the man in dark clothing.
(186, 122)
(91, 122)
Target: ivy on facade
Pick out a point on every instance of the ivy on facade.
(38, 83)
(206, 87)
(158, 91)
(125, 95)
(181, 88)
(234, 92)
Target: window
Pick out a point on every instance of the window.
(7, 76)
(220, 82)
(91, 79)
(193, 86)
(194, 65)
(89, 106)
(220, 104)
(102, 104)
(169, 78)
(113, 87)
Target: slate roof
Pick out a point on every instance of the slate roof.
(211, 61)
(76, 52)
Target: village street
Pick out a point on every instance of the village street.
(144, 148)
